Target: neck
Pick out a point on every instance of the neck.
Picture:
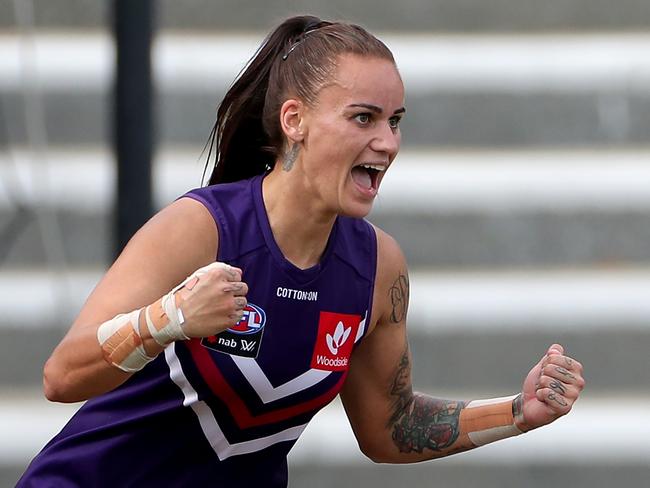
(300, 229)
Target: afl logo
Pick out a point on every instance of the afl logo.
(253, 321)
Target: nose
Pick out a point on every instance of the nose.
(387, 140)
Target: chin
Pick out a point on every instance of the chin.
(356, 211)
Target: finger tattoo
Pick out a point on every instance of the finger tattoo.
(557, 399)
(564, 372)
(557, 386)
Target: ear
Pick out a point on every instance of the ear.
(291, 119)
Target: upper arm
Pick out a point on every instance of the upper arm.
(170, 246)
(379, 381)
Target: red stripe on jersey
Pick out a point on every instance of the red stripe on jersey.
(238, 409)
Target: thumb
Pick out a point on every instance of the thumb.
(555, 349)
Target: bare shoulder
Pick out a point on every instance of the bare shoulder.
(183, 236)
(175, 242)
(391, 282)
(186, 224)
(389, 253)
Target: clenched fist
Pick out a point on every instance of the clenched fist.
(212, 299)
(550, 389)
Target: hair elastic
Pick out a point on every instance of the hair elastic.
(308, 30)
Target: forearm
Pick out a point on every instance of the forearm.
(82, 367)
(394, 425)
(77, 370)
(94, 359)
(423, 427)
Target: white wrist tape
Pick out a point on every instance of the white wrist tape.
(165, 318)
(120, 337)
(489, 420)
(121, 342)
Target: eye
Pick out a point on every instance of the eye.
(394, 122)
(363, 118)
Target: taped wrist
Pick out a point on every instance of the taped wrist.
(121, 343)
(489, 420)
(120, 337)
(165, 319)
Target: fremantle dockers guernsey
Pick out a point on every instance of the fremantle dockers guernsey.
(225, 410)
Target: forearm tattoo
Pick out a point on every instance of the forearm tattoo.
(399, 296)
(419, 422)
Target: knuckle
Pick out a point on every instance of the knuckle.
(209, 272)
(231, 272)
(225, 287)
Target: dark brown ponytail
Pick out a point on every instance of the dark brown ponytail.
(296, 59)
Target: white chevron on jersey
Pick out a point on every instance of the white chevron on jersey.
(265, 390)
(209, 425)
(361, 329)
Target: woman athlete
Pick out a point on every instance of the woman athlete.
(242, 308)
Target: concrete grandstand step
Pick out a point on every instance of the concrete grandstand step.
(408, 15)
(479, 330)
(447, 209)
(428, 238)
(441, 118)
(461, 90)
(328, 446)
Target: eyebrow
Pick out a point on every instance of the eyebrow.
(375, 108)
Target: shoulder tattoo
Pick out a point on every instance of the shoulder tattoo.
(399, 298)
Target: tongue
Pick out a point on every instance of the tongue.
(361, 177)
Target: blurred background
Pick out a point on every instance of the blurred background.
(521, 198)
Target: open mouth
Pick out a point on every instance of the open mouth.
(367, 175)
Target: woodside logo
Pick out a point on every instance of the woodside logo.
(341, 335)
(334, 341)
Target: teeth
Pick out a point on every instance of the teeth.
(376, 167)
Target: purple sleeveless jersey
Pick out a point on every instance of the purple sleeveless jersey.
(225, 410)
